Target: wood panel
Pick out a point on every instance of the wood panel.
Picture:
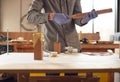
(90, 36)
(64, 79)
(15, 35)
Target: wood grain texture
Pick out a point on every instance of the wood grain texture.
(82, 15)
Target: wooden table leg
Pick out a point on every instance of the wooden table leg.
(111, 77)
(23, 77)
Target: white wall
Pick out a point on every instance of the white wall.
(10, 15)
(11, 12)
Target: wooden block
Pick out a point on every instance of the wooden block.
(57, 47)
(38, 46)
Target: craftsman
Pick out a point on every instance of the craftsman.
(58, 21)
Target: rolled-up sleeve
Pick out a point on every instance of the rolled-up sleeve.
(34, 14)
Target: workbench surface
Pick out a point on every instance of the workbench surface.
(77, 62)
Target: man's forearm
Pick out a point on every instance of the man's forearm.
(37, 18)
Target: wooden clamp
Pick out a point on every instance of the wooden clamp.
(82, 15)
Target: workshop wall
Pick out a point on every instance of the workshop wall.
(11, 13)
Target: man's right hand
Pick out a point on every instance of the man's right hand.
(59, 18)
(50, 16)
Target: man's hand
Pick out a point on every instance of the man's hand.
(51, 15)
(59, 18)
(89, 16)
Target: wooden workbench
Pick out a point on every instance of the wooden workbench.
(28, 47)
(23, 63)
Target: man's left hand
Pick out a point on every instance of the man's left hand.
(89, 16)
